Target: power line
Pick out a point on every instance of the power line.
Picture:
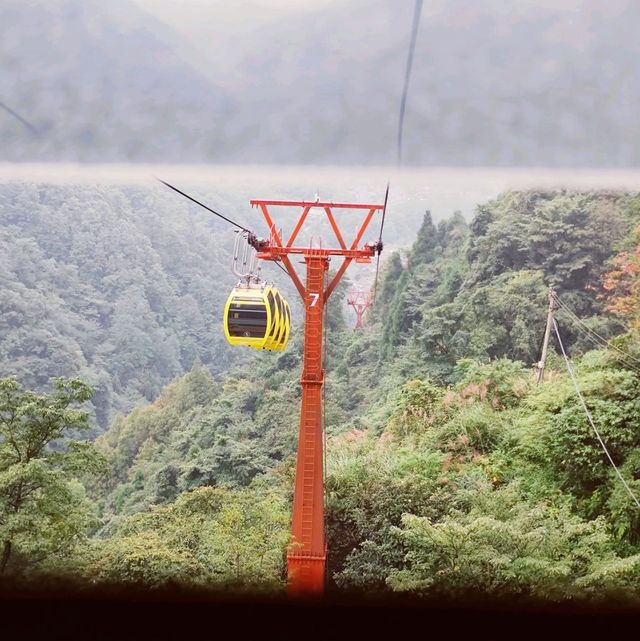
(589, 418)
(600, 345)
(602, 339)
(592, 332)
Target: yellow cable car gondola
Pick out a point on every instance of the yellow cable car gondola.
(257, 316)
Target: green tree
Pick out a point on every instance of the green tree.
(505, 546)
(216, 537)
(566, 442)
(418, 405)
(43, 507)
(423, 250)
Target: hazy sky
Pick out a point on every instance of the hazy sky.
(177, 6)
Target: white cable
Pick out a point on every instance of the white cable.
(592, 331)
(604, 345)
(588, 414)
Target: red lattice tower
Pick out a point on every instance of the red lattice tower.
(307, 552)
(360, 301)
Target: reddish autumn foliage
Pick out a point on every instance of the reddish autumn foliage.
(622, 284)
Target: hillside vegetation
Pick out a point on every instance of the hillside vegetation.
(450, 474)
(117, 285)
(124, 284)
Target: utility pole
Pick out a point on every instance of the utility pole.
(547, 333)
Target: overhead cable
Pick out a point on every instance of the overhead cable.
(384, 211)
(601, 343)
(213, 211)
(589, 418)
(32, 128)
(591, 331)
(407, 77)
(403, 105)
(277, 264)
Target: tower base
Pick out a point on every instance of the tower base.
(306, 573)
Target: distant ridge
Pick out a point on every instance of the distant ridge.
(532, 84)
(102, 81)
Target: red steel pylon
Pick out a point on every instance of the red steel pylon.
(307, 552)
(360, 301)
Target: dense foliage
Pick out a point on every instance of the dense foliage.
(622, 282)
(114, 285)
(44, 511)
(450, 473)
(124, 285)
(480, 290)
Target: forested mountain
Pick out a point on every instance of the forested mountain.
(527, 84)
(119, 285)
(124, 284)
(243, 427)
(480, 291)
(102, 81)
(450, 474)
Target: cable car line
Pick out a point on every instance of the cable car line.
(32, 128)
(255, 315)
(252, 238)
(277, 264)
(403, 105)
(407, 76)
(213, 211)
(379, 245)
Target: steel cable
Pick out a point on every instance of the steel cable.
(32, 128)
(596, 337)
(589, 418)
(403, 106)
(407, 77)
(213, 211)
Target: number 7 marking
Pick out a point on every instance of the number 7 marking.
(315, 299)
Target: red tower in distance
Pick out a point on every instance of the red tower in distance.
(307, 552)
(360, 301)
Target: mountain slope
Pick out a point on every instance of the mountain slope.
(488, 487)
(531, 83)
(102, 81)
(119, 285)
(523, 85)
